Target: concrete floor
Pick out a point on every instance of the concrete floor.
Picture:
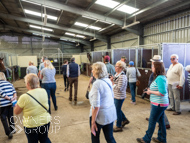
(70, 124)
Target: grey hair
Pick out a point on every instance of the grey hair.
(2, 76)
(72, 59)
(32, 80)
(175, 55)
(100, 69)
(187, 68)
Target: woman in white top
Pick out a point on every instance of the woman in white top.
(102, 112)
(132, 74)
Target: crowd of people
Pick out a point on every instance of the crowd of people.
(106, 97)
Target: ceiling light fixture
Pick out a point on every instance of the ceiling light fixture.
(132, 24)
(40, 5)
(81, 36)
(70, 34)
(39, 14)
(93, 39)
(42, 28)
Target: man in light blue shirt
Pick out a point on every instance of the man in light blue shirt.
(41, 66)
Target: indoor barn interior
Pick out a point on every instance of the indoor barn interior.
(82, 71)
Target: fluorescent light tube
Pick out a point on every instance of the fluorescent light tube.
(93, 39)
(39, 14)
(132, 24)
(80, 36)
(71, 34)
(94, 27)
(81, 24)
(38, 27)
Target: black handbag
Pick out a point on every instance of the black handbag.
(87, 93)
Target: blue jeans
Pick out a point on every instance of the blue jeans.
(108, 133)
(156, 115)
(50, 89)
(132, 86)
(38, 134)
(120, 116)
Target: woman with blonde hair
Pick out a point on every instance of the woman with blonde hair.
(102, 112)
(34, 105)
(48, 82)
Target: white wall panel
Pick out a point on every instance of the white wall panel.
(24, 60)
(174, 29)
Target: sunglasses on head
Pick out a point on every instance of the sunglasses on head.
(172, 59)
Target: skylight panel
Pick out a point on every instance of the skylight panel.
(107, 3)
(40, 5)
(39, 14)
(38, 27)
(127, 9)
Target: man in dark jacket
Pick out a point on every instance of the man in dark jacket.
(64, 71)
(73, 72)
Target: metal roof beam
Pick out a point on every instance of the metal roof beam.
(90, 5)
(150, 16)
(79, 11)
(31, 21)
(147, 8)
(48, 34)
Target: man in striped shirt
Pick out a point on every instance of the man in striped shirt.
(7, 95)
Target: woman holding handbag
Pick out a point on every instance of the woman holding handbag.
(34, 105)
(132, 74)
(102, 111)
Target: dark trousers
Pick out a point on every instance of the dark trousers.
(66, 81)
(73, 80)
(6, 114)
(120, 115)
(132, 86)
(50, 89)
(156, 115)
(108, 133)
(38, 134)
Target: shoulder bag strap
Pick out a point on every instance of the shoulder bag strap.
(38, 102)
(107, 84)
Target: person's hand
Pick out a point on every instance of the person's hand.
(148, 91)
(179, 87)
(94, 129)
